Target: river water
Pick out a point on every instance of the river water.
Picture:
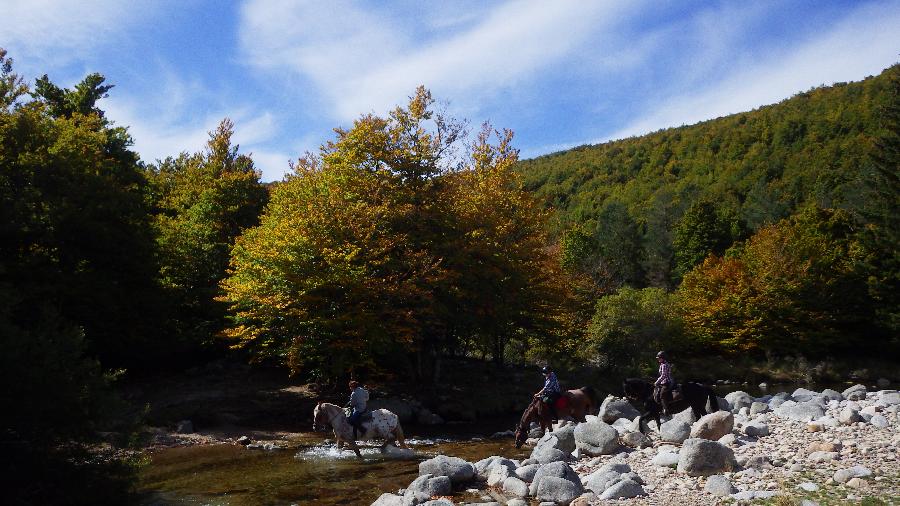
(310, 471)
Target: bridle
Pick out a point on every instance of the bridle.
(329, 420)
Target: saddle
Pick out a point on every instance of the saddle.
(562, 403)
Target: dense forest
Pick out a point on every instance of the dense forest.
(772, 230)
(405, 241)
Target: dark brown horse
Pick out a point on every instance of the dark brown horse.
(573, 403)
(693, 395)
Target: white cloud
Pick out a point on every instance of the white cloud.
(274, 165)
(58, 31)
(864, 43)
(360, 60)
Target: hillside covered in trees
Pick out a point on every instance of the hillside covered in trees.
(772, 230)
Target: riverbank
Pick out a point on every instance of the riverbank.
(821, 447)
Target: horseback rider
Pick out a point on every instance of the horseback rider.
(662, 388)
(550, 392)
(357, 404)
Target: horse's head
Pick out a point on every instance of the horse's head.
(631, 390)
(318, 418)
(521, 435)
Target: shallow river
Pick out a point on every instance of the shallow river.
(310, 472)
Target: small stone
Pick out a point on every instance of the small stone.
(719, 485)
(809, 487)
(856, 483)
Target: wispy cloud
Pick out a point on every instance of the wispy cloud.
(862, 44)
(162, 129)
(56, 32)
(359, 60)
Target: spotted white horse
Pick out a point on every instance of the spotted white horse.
(382, 425)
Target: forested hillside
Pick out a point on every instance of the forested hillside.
(740, 172)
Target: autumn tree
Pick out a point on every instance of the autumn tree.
(201, 203)
(794, 286)
(389, 247)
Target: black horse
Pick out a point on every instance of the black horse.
(693, 395)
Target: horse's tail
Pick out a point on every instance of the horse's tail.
(592, 395)
(398, 434)
(713, 400)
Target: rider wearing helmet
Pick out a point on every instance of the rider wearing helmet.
(662, 388)
(551, 391)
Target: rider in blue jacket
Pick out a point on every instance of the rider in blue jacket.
(551, 391)
(357, 404)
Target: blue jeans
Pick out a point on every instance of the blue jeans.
(354, 418)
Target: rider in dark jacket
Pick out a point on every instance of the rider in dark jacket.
(550, 392)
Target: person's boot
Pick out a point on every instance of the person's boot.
(664, 403)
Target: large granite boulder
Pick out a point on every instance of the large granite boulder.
(388, 499)
(701, 457)
(549, 454)
(849, 416)
(614, 408)
(515, 487)
(675, 431)
(665, 459)
(832, 395)
(636, 440)
(756, 428)
(596, 438)
(526, 473)
(713, 426)
(624, 489)
(484, 466)
(739, 399)
(558, 490)
(804, 395)
(719, 485)
(427, 486)
(499, 473)
(758, 407)
(888, 398)
(457, 469)
(855, 393)
(559, 470)
(562, 439)
(802, 412)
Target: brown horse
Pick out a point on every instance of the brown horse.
(575, 404)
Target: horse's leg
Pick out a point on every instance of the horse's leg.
(398, 434)
(355, 449)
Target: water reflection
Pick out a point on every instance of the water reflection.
(310, 471)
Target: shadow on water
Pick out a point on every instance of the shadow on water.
(307, 472)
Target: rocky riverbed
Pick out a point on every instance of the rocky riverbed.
(803, 447)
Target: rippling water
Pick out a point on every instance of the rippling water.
(309, 471)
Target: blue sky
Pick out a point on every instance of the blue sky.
(559, 73)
